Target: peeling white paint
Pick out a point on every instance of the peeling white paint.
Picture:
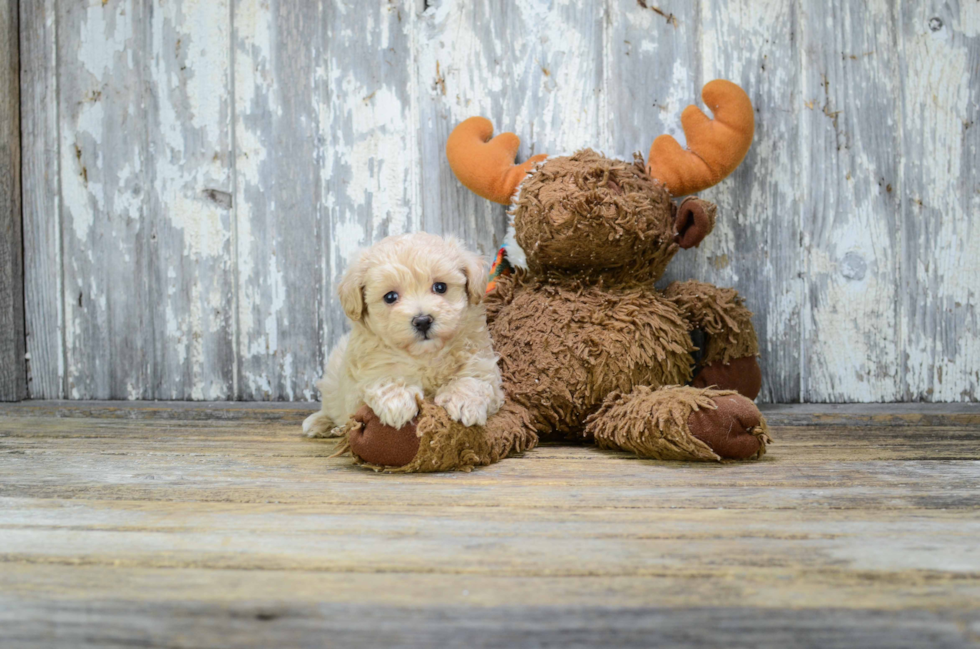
(253, 87)
(83, 196)
(106, 31)
(206, 46)
(205, 227)
(269, 343)
(683, 92)
(377, 154)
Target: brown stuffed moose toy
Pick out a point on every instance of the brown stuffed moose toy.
(589, 348)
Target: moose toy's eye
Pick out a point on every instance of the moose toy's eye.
(439, 287)
(391, 297)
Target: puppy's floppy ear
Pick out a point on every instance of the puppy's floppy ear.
(475, 269)
(351, 289)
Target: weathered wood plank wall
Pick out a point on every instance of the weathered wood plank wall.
(196, 175)
(13, 367)
(43, 286)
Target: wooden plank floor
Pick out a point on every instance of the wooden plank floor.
(218, 525)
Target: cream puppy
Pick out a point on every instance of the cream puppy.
(419, 330)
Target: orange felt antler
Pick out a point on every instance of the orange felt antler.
(486, 167)
(715, 147)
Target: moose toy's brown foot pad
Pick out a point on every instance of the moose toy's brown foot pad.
(380, 444)
(742, 375)
(680, 423)
(733, 430)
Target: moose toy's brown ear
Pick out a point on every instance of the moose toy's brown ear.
(484, 165)
(694, 221)
(715, 147)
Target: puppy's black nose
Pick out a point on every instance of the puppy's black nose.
(422, 323)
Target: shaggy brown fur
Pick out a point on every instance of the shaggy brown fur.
(652, 423)
(565, 343)
(443, 444)
(720, 313)
(587, 343)
(597, 218)
(658, 423)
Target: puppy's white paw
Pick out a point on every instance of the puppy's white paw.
(319, 425)
(398, 405)
(464, 408)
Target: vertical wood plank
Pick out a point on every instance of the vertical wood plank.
(534, 68)
(852, 229)
(940, 68)
(42, 200)
(369, 136)
(102, 126)
(188, 187)
(755, 247)
(145, 134)
(652, 73)
(13, 372)
(279, 236)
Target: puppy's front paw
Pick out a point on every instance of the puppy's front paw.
(398, 405)
(319, 425)
(464, 407)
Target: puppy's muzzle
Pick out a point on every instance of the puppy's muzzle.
(422, 324)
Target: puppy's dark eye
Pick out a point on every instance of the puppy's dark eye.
(391, 297)
(439, 287)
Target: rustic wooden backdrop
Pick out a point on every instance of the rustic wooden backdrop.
(196, 173)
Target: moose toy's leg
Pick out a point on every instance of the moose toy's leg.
(728, 357)
(510, 431)
(680, 423)
(434, 442)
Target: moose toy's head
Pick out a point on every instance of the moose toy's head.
(593, 214)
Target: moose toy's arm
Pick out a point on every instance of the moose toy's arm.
(726, 337)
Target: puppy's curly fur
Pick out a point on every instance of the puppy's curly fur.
(418, 330)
